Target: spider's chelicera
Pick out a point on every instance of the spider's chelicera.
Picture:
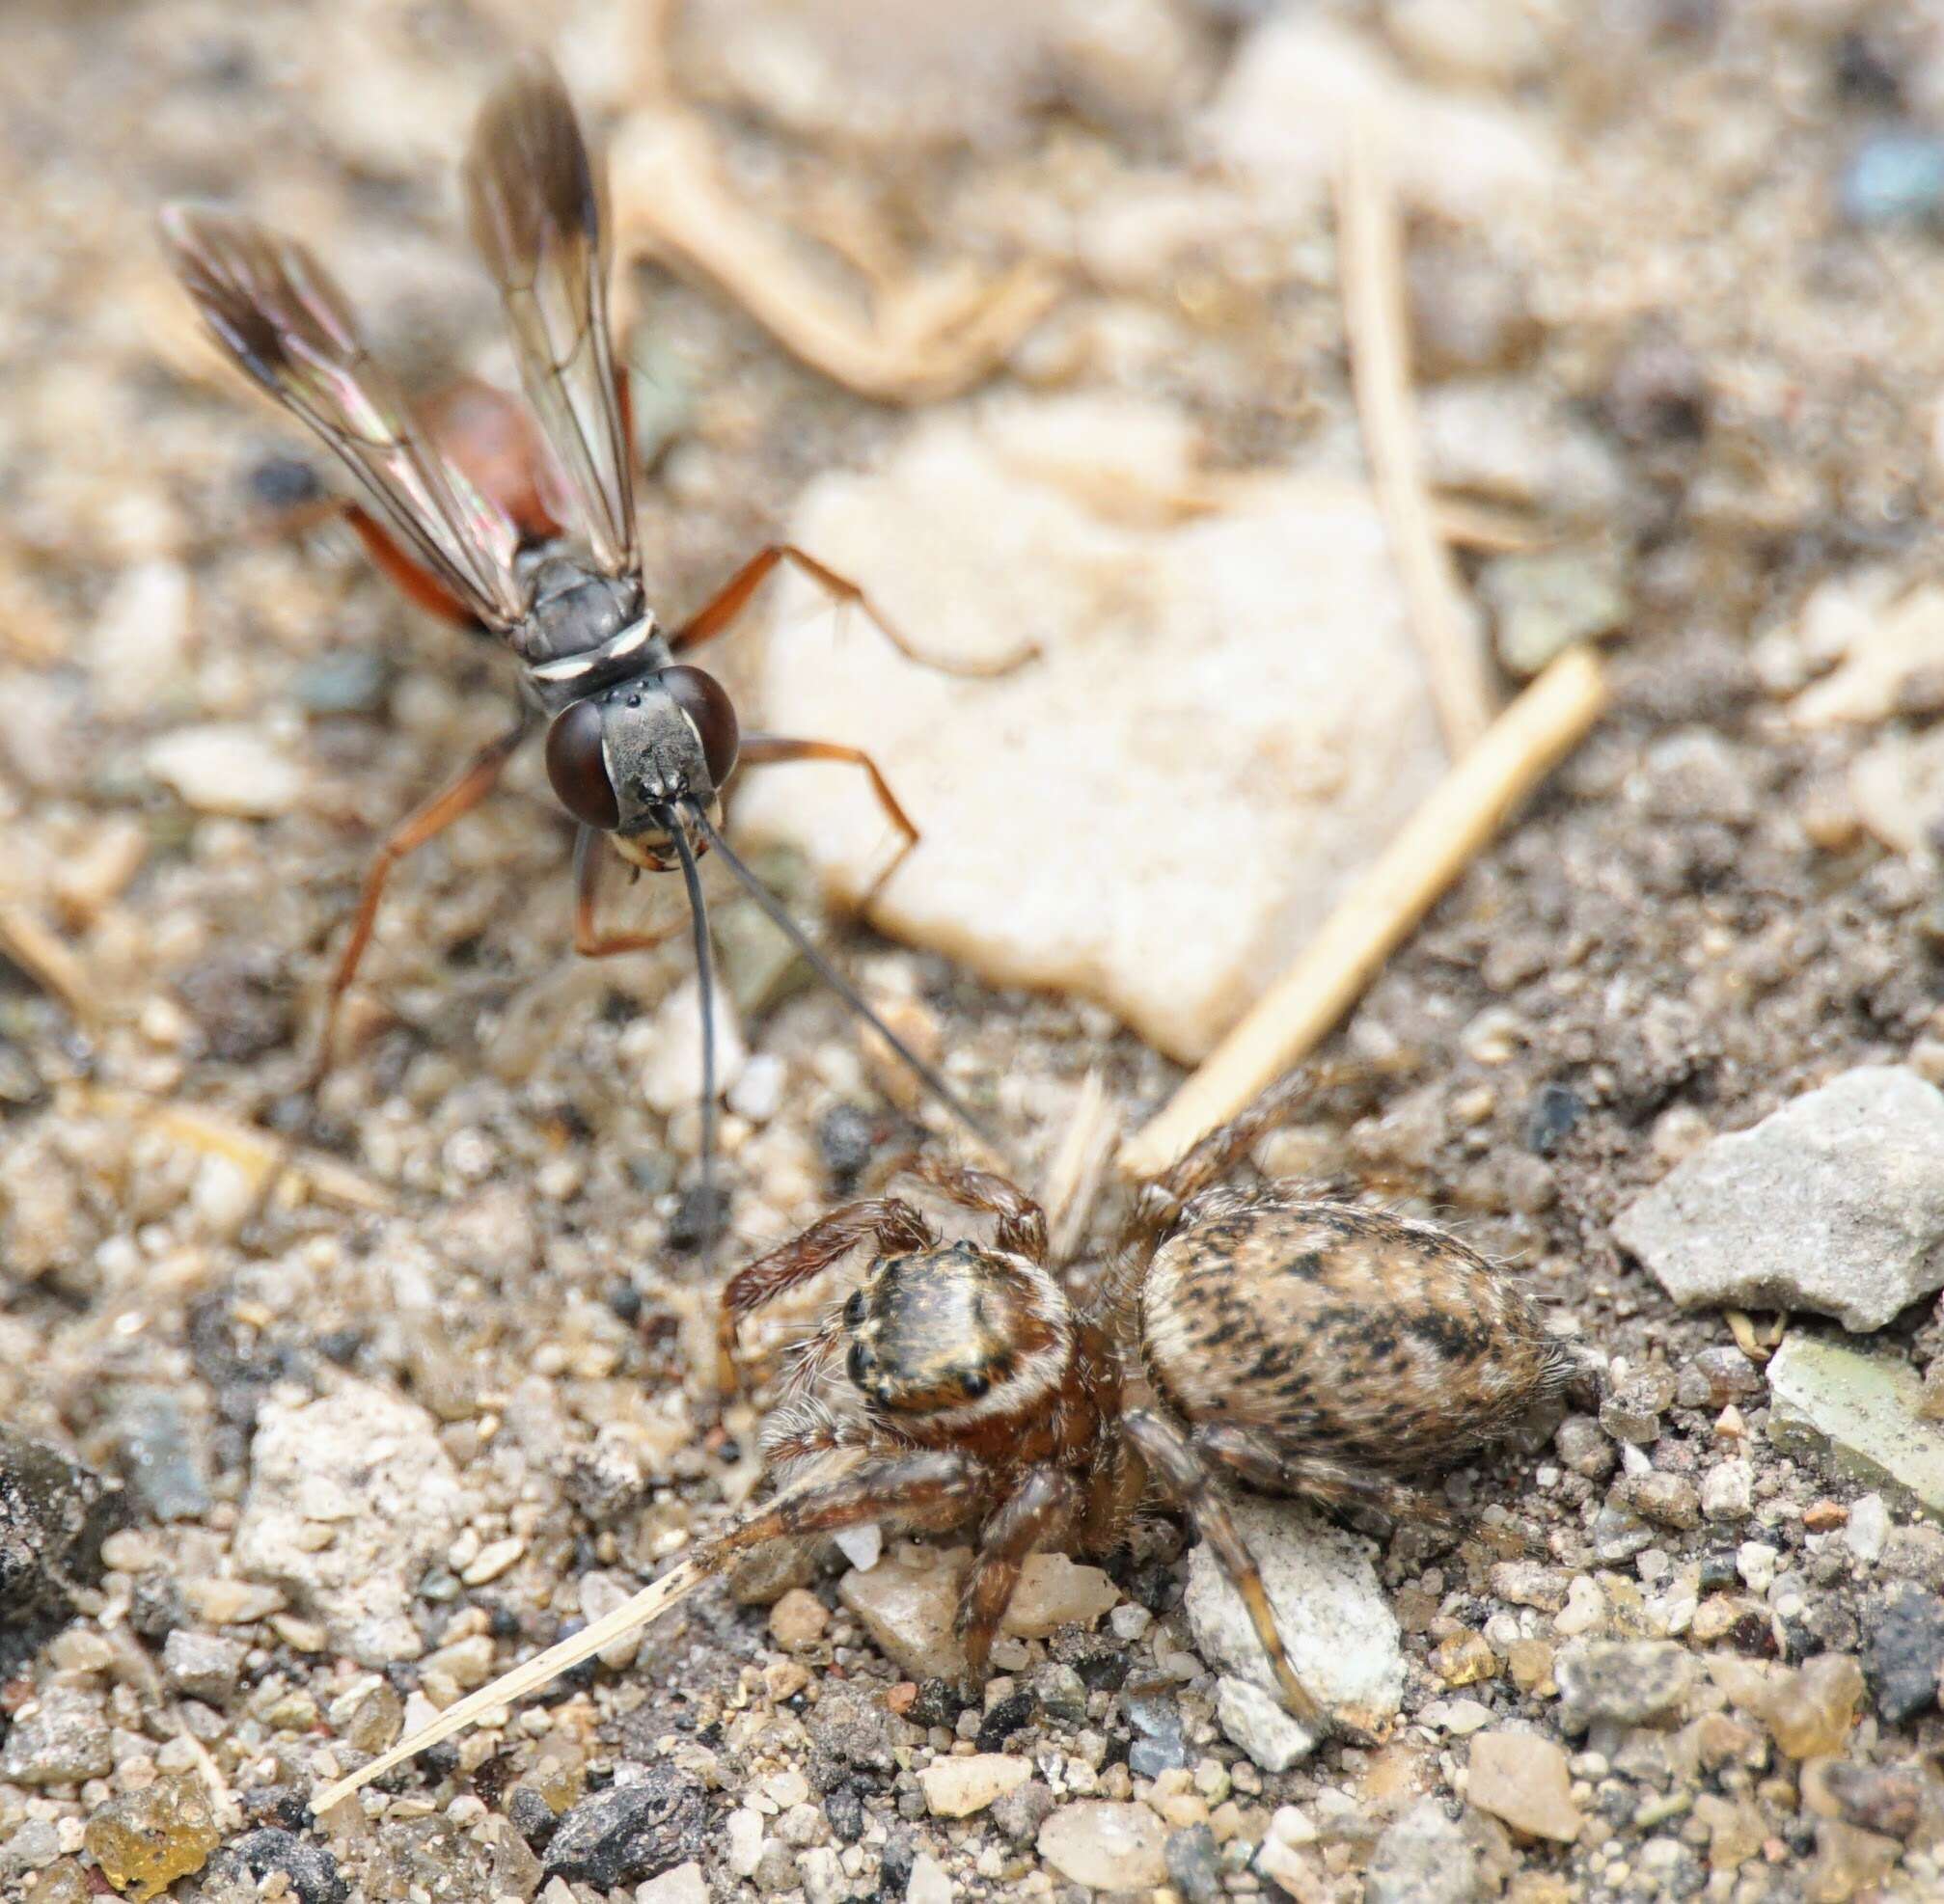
(1298, 1346)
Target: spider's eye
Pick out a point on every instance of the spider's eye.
(857, 1364)
(578, 769)
(854, 1309)
(976, 1384)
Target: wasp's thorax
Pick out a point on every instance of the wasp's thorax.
(574, 616)
(956, 1334)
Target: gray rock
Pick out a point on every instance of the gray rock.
(350, 1498)
(1904, 1652)
(204, 1664)
(311, 1868)
(54, 1514)
(1834, 1204)
(62, 1740)
(1195, 1865)
(1718, 1376)
(1618, 1534)
(1583, 1446)
(1423, 1858)
(1668, 1500)
(1018, 1814)
(1634, 1410)
(1860, 1414)
(1544, 601)
(162, 1454)
(1333, 1616)
(850, 1738)
(629, 1832)
(1632, 1682)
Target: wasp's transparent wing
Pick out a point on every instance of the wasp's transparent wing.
(538, 219)
(280, 316)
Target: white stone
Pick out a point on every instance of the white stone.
(1585, 1607)
(758, 1093)
(225, 769)
(351, 1497)
(1885, 634)
(139, 645)
(1300, 88)
(671, 1069)
(1106, 1846)
(1335, 1620)
(1489, 43)
(743, 1834)
(1261, 1724)
(862, 1546)
(928, 1883)
(957, 1787)
(1868, 1529)
(1755, 1562)
(1834, 1202)
(1728, 1491)
(1227, 718)
(684, 1884)
(1056, 1591)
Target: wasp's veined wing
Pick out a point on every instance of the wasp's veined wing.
(277, 313)
(538, 218)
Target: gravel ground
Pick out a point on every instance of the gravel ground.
(263, 1503)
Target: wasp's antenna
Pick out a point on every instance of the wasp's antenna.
(780, 917)
(698, 921)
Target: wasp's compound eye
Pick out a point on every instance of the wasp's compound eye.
(577, 769)
(703, 698)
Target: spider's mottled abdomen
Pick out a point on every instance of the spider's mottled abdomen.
(1356, 1335)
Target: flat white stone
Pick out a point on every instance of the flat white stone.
(1301, 87)
(1227, 719)
(220, 768)
(1341, 1635)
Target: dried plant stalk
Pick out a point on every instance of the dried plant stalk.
(1370, 249)
(1440, 840)
(646, 1605)
(930, 340)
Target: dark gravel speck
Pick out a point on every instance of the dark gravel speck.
(312, 1870)
(1903, 1651)
(629, 1834)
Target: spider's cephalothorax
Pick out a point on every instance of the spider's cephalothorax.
(1301, 1347)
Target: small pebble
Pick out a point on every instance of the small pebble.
(1523, 1778)
(1106, 1846)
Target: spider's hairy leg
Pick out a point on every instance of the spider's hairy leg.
(1186, 1481)
(1022, 1222)
(890, 1222)
(927, 1491)
(1034, 1514)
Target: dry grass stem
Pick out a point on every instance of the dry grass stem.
(1370, 249)
(1079, 1167)
(540, 1671)
(926, 340)
(28, 942)
(254, 1153)
(1438, 842)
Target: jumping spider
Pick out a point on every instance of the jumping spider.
(1303, 1347)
